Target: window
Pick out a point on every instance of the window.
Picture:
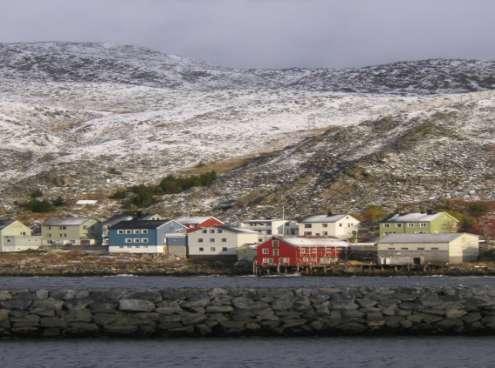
(120, 232)
(265, 251)
(325, 225)
(137, 240)
(128, 231)
(224, 249)
(135, 231)
(276, 252)
(269, 232)
(144, 231)
(391, 248)
(212, 240)
(340, 225)
(410, 225)
(325, 233)
(387, 225)
(212, 249)
(224, 240)
(144, 240)
(421, 248)
(307, 226)
(267, 260)
(127, 240)
(200, 240)
(434, 248)
(212, 231)
(404, 248)
(219, 231)
(201, 249)
(399, 225)
(307, 233)
(205, 231)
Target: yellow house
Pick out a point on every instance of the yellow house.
(71, 231)
(15, 237)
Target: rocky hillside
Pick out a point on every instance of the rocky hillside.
(82, 119)
(437, 149)
(108, 63)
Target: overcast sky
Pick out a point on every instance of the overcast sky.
(266, 33)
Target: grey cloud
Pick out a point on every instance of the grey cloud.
(266, 33)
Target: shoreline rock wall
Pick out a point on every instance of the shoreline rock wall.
(246, 312)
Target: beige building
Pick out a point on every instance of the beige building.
(452, 248)
(335, 226)
(71, 231)
(219, 241)
(16, 237)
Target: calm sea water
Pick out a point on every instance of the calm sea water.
(441, 352)
(238, 281)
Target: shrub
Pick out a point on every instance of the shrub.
(373, 214)
(119, 194)
(58, 202)
(142, 196)
(37, 205)
(37, 193)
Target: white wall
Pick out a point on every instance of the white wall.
(218, 242)
(137, 249)
(20, 243)
(342, 229)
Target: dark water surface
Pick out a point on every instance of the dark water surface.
(398, 352)
(240, 281)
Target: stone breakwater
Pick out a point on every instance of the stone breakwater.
(234, 312)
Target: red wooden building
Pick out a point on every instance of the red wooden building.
(300, 252)
(198, 222)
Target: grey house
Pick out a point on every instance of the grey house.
(176, 239)
(404, 249)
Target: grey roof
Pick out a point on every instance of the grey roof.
(68, 221)
(420, 238)
(299, 241)
(414, 217)
(196, 220)
(139, 224)
(323, 219)
(5, 222)
(237, 229)
(115, 219)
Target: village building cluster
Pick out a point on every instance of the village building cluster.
(275, 244)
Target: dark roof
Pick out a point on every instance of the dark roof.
(5, 223)
(139, 224)
(115, 219)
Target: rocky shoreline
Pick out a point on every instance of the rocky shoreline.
(191, 312)
(76, 263)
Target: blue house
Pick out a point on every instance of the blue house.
(146, 236)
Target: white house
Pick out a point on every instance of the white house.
(219, 241)
(336, 226)
(452, 248)
(266, 228)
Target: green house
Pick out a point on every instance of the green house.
(419, 223)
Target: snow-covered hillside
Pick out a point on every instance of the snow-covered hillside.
(88, 118)
(97, 62)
